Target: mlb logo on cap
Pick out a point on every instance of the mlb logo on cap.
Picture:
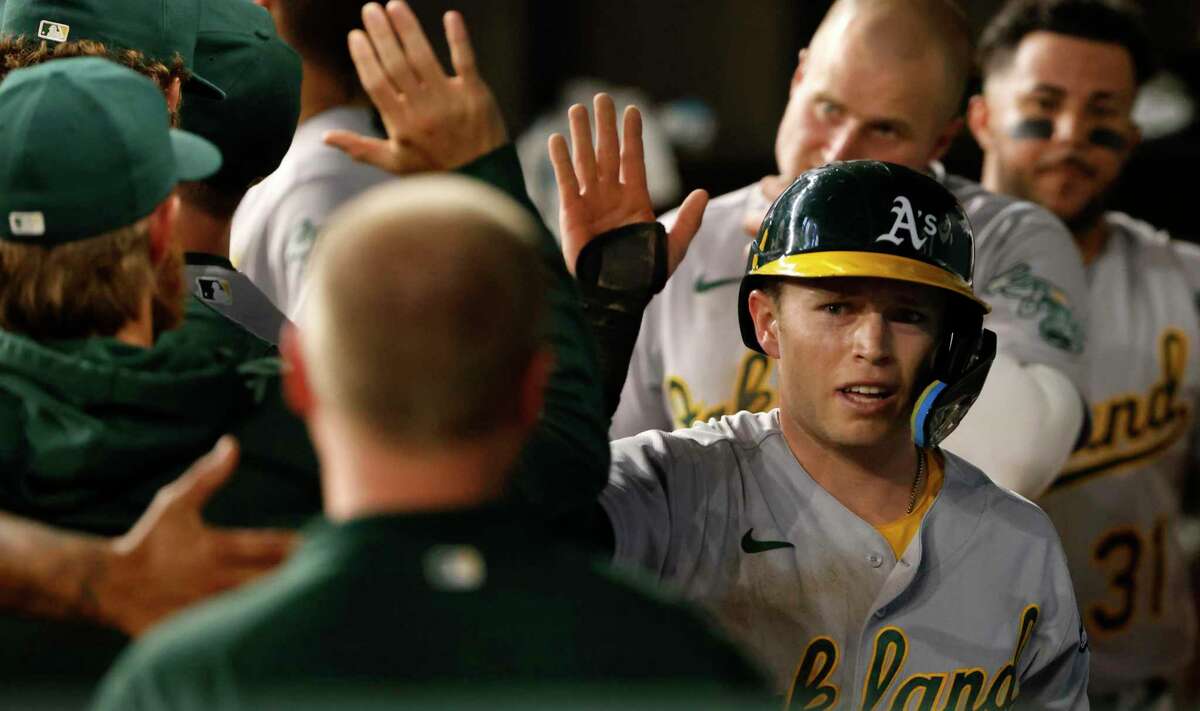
(26, 224)
(53, 31)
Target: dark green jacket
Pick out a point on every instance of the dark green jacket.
(89, 430)
(383, 607)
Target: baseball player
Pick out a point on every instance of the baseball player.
(277, 223)
(859, 569)
(1054, 120)
(238, 47)
(881, 80)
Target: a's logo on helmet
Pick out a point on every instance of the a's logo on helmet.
(907, 221)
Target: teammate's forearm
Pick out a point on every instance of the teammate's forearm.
(50, 573)
(565, 464)
(1022, 428)
(618, 273)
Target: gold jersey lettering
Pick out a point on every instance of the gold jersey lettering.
(751, 392)
(809, 688)
(886, 687)
(1131, 428)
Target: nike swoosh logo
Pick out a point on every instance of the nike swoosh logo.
(702, 285)
(750, 545)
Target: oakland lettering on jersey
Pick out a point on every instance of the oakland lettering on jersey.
(751, 392)
(1130, 428)
(887, 689)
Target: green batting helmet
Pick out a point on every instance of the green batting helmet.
(872, 219)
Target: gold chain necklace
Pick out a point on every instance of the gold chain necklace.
(912, 495)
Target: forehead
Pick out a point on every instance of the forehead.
(873, 83)
(869, 288)
(1073, 65)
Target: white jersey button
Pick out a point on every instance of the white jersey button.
(875, 560)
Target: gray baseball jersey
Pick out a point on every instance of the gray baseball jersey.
(690, 365)
(1117, 503)
(276, 224)
(979, 607)
(214, 281)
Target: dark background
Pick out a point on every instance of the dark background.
(738, 57)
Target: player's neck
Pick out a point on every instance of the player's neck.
(363, 476)
(201, 231)
(139, 331)
(320, 91)
(875, 483)
(1092, 240)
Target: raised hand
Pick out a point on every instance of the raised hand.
(605, 188)
(433, 121)
(171, 558)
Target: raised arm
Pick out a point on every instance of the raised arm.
(437, 121)
(620, 256)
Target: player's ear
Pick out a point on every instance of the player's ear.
(979, 120)
(161, 226)
(764, 312)
(296, 389)
(946, 138)
(799, 73)
(174, 94)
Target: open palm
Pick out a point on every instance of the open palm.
(604, 188)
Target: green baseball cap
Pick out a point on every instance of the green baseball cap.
(86, 148)
(238, 48)
(158, 28)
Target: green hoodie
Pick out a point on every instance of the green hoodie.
(91, 429)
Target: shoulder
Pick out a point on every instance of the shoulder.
(738, 432)
(1000, 506)
(994, 214)
(314, 177)
(1157, 245)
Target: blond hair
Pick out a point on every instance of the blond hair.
(91, 287)
(19, 52)
(426, 310)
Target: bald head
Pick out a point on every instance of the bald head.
(425, 310)
(905, 31)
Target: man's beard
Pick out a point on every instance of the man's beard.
(168, 303)
(1082, 219)
(1091, 213)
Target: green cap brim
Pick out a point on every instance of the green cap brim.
(195, 157)
(200, 86)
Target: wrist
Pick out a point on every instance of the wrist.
(103, 589)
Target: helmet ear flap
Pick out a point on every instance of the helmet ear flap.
(959, 370)
(959, 345)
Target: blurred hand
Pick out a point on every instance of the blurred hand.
(433, 121)
(769, 188)
(171, 558)
(605, 188)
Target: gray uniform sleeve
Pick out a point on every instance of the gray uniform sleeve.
(642, 407)
(1054, 665)
(1029, 271)
(636, 500)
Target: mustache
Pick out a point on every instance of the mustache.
(1066, 160)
